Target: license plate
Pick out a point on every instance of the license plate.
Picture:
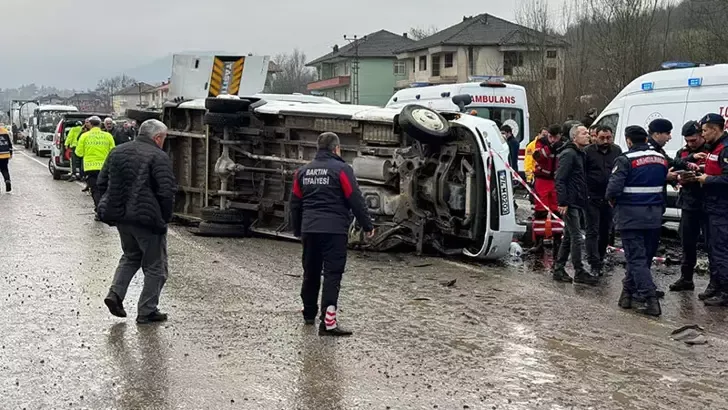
(505, 206)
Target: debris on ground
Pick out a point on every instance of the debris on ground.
(690, 334)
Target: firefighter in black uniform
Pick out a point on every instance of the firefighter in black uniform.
(693, 219)
(325, 193)
(635, 188)
(715, 188)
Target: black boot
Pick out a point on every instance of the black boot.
(597, 271)
(585, 278)
(154, 317)
(560, 275)
(625, 300)
(115, 305)
(720, 299)
(336, 332)
(8, 186)
(684, 283)
(710, 291)
(651, 307)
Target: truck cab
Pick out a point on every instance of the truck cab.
(43, 125)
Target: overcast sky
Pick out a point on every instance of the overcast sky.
(53, 42)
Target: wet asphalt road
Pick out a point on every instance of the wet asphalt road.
(503, 337)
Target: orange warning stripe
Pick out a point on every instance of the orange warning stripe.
(218, 68)
(236, 76)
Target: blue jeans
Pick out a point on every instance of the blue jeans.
(640, 246)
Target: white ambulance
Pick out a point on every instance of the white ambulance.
(680, 92)
(491, 99)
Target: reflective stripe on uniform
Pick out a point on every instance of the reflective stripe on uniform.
(642, 189)
(639, 154)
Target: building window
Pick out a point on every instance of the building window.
(551, 73)
(436, 66)
(346, 95)
(471, 61)
(551, 54)
(400, 67)
(414, 66)
(511, 60)
(423, 63)
(449, 57)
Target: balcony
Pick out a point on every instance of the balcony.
(334, 82)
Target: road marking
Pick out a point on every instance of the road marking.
(79, 183)
(34, 159)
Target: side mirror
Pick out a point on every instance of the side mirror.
(462, 100)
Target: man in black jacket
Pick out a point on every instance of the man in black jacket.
(513, 146)
(138, 187)
(693, 220)
(571, 194)
(325, 193)
(120, 136)
(599, 162)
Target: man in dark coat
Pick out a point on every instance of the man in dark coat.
(513, 146)
(325, 193)
(138, 187)
(715, 202)
(693, 220)
(119, 134)
(600, 158)
(571, 194)
(635, 188)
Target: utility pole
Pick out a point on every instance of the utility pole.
(140, 94)
(355, 67)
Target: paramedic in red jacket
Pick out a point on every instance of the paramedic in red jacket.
(544, 157)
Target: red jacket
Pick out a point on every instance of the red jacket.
(545, 158)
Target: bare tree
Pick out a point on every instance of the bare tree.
(108, 87)
(542, 71)
(294, 75)
(418, 33)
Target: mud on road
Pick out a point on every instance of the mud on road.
(503, 336)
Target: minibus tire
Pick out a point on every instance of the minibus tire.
(216, 119)
(226, 105)
(424, 124)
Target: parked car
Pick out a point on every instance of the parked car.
(60, 162)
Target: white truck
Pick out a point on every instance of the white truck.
(43, 126)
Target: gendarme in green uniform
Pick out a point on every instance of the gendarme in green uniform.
(94, 146)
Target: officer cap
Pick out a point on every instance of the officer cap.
(715, 119)
(690, 128)
(635, 133)
(660, 125)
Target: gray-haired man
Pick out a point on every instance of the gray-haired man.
(137, 185)
(571, 195)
